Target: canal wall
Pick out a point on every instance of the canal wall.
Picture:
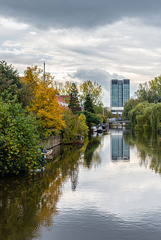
(51, 142)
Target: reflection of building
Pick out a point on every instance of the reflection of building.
(120, 93)
(119, 149)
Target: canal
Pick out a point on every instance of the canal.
(108, 189)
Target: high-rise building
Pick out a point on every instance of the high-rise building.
(120, 93)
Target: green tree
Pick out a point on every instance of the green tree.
(19, 139)
(11, 85)
(63, 89)
(150, 91)
(128, 107)
(9, 77)
(73, 102)
(88, 105)
(75, 126)
(95, 91)
(91, 119)
(143, 92)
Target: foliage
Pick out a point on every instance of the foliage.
(9, 78)
(83, 127)
(104, 119)
(117, 115)
(128, 107)
(46, 107)
(75, 126)
(95, 91)
(25, 95)
(91, 119)
(44, 102)
(144, 112)
(62, 88)
(146, 117)
(88, 105)
(136, 112)
(32, 76)
(104, 111)
(108, 113)
(11, 85)
(19, 139)
(73, 102)
(150, 91)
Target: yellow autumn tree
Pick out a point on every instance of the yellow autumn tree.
(32, 76)
(44, 103)
(46, 106)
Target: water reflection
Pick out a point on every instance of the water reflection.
(91, 156)
(83, 194)
(148, 149)
(120, 150)
(29, 202)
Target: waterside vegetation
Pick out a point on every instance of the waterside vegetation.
(144, 112)
(30, 112)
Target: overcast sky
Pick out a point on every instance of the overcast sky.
(84, 40)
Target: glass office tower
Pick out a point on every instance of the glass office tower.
(120, 92)
(126, 90)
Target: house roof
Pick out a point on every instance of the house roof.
(65, 96)
(60, 99)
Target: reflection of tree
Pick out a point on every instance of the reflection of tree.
(29, 202)
(149, 149)
(91, 156)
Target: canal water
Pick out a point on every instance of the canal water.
(108, 189)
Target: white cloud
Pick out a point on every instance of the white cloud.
(124, 47)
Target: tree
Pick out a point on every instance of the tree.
(128, 107)
(149, 91)
(46, 107)
(8, 77)
(32, 76)
(83, 128)
(143, 92)
(117, 115)
(88, 105)
(19, 139)
(11, 85)
(63, 89)
(95, 91)
(155, 88)
(73, 102)
(75, 126)
(91, 119)
(44, 102)
(104, 111)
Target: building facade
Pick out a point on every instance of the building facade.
(120, 93)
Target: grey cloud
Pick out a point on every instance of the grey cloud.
(102, 77)
(84, 13)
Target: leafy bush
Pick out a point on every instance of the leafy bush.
(19, 139)
(75, 126)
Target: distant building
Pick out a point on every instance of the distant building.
(120, 93)
(67, 100)
(62, 102)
